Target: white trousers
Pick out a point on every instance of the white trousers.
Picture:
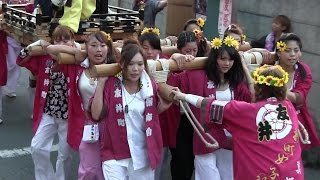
(225, 163)
(41, 145)
(112, 171)
(214, 166)
(14, 49)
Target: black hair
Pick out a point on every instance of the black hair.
(152, 38)
(202, 47)
(187, 36)
(190, 21)
(236, 73)
(184, 38)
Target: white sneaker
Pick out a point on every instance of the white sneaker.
(11, 95)
(1, 121)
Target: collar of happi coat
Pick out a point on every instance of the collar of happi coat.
(210, 89)
(150, 104)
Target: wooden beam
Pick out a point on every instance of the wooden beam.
(38, 51)
(113, 69)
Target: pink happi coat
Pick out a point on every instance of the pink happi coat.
(40, 66)
(76, 112)
(114, 143)
(265, 143)
(169, 120)
(3, 60)
(196, 82)
(302, 87)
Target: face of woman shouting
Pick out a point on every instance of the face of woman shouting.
(97, 51)
(99, 48)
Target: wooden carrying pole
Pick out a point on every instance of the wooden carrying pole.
(65, 58)
(113, 69)
(109, 70)
(36, 51)
(39, 51)
(169, 50)
(165, 91)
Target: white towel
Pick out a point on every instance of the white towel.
(146, 85)
(85, 63)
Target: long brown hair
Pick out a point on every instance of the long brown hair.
(129, 50)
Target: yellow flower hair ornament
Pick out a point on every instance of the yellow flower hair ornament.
(216, 43)
(155, 30)
(281, 46)
(270, 80)
(231, 42)
(107, 35)
(244, 37)
(200, 22)
(198, 34)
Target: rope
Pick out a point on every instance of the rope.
(306, 134)
(185, 107)
(161, 77)
(194, 122)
